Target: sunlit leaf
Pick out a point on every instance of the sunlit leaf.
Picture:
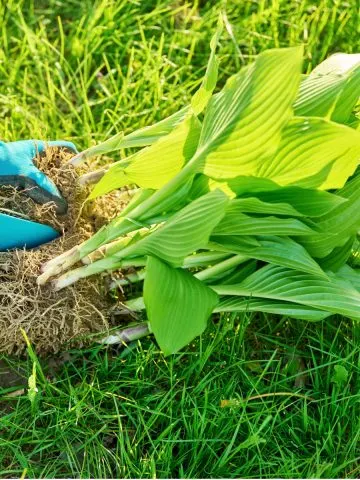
(154, 166)
(140, 138)
(250, 108)
(332, 89)
(307, 146)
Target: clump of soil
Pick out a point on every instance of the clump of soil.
(50, 318)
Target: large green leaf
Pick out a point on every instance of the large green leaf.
(237, 223)
(140, 138)
(280, 283)
(308, 145)
(338, 225)
(255, 205)
(277, 250)
(332, 89)
(154, 166)
(177, 304)
(224, 243)
(308, 202)
(288, 309)
(186, 231)
(243, 123)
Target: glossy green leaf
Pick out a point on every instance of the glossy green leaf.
(185, 232)
(338, 257)
(177, 304)
(154, 166)
(277, 250)
(332, 89)
(255, 205)
(140, 138)
(308, 145)
(237, 223)
(280, 283)
(224, 242)
(288, 309)
(308, 202)
(243, 123)
(351, 275)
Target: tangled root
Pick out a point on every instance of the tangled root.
(52, 319)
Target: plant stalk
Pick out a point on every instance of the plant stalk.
(127, 279)
(221, 267)
(92, 177)
(137, 304)
(189, 262)
(128, 334)
(122, 225)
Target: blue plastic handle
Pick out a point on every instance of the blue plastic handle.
(18, 233)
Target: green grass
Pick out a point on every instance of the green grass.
(83, 71)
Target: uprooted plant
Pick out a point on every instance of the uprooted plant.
(246, 200)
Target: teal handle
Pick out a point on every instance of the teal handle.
(18, 233)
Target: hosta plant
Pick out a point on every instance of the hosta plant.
(245, 200)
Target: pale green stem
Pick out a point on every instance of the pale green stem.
(221, 267)
(128, 334)
(122, 225)
(135, 304)
(109, 249)
(96, 175)
(108, 146)
(189, 262)
(67, 259)
(92, 177)
(72, 256)
(229, 290)
(204, 259)
(104, 251)
(128, 278)
(107, 264)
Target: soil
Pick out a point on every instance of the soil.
(9, 377)
(53, 319)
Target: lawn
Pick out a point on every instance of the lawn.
(257, 395)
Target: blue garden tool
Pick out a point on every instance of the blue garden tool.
(17, 169)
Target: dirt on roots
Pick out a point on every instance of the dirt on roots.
(51, 318)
